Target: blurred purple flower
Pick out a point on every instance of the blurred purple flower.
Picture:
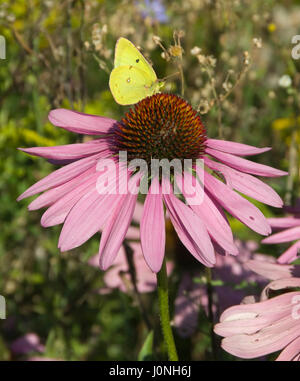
(118, 276)
(26, 344)
(154, 9)
(232, 274)
(257, 329)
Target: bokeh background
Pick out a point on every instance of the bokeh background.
(235, 56)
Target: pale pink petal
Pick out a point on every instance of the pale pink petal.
(36, 358)
(284, 222)
(57, 213)
(153, 235)
(235, 148)
(214, 221)
(138, 212)
(285, 236)
(247, 184)
(117, 225)
(244, 165)
(51, 196)
(267, 340)
(68, 152)
(61, 176)
(291, 352)
(81, 123)
(191, 230)
(291, 254)
(250, 318)
(236, 205)
(133, 233)
(88, 216)
(273, 271)
(280, 284)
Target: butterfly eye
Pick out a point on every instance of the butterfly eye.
(137, 60)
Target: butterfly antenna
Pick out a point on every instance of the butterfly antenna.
(169, 76)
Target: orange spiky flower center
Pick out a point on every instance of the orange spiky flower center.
(162, 126)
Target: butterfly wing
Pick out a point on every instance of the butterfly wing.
(129, 85)
(126, 54)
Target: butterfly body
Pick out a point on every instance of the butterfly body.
(132, 78)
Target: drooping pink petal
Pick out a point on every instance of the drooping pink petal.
(267, 340)
(58, 212)
(284, 236)
(291, 254)
(291, 352)
(153, 235)
(247, 184)
(214, 221)
(69, 151)
(191, 230)
(244, 165)
(51, 196)
(88, 216)
(81, 123)
(61, 175)
(250, 318)
(117, 225)
(236, 205)
(235, 148)
(280, 284)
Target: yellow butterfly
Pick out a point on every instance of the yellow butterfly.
(132, 78)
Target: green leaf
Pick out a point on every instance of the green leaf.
(146, 353)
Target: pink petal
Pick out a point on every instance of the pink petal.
(214, 221)
(247, 184)
(280, 284)
(284, 222)
(117, 225)
(153, 235)
(273, 271)
(81, 123)
(69, 151)
(265, 341)
(191, 230)
(58, 212)
(291, 352)
(250, 318)
(244, 165)
(88, 216)
(284, 236)
(237, 205)
(51, 196)
(235, 148)
(291, 254)
(61, 176)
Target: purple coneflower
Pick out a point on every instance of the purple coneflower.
(290, 231)
(162, 126)
(272, 324)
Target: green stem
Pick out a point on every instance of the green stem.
(163, 299)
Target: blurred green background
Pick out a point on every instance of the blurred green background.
(60, 54)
